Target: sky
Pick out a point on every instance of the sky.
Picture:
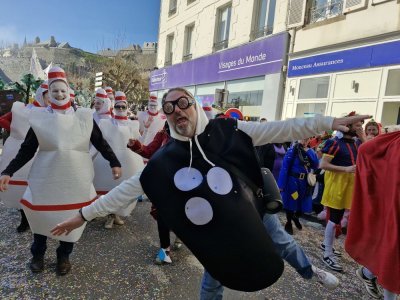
(90, 25)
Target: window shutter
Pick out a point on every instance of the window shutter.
(296, 14)
(350, 5)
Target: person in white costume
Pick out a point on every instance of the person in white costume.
(110, 95)
(117, 132)
(151, 121)
(18, 126)
(61, 176)
(102, 106)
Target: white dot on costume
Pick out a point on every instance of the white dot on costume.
(219, 181)
(199, 211)
(187, 179)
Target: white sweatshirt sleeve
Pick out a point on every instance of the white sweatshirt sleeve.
(118, 198)
(285, 131)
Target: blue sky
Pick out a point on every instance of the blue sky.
(87, 24)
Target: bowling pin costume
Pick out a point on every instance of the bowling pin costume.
(150, 121)
(104, 112)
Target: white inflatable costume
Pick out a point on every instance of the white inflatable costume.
(151, 121)
(102, 99)
(117, 132)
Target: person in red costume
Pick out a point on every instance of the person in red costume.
(375, 219)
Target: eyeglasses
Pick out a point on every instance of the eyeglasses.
(119, 107)
(182, 102)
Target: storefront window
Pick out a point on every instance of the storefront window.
(245, 92)
(310, 109)
(313, 88)
(206, 92)
(393, 86)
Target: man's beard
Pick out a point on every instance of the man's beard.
(186, 131)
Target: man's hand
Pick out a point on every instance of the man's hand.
(4, 180)
(340, 123)
(67, 226)
(134, 145)
(361, 134)
(116, 171)
(350, 169)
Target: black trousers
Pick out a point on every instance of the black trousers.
(163, 233)
(39, 247)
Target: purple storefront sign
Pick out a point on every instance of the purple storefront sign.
(253, 59)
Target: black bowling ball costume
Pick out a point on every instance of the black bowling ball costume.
(209, 210)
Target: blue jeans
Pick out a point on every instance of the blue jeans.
(286, 247)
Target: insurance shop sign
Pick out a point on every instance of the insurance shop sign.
(257, 58)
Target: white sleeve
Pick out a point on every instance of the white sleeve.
(118, 198)
(285, 131)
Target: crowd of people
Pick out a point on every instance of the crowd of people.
(55, 164)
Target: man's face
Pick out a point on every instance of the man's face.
(46, 98)
(353, 128)
(183, 120)
(59, 90)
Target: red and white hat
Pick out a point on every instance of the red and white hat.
(109, 89)
(44, 86)
(56, 73)
(120, 97)
(208, 110)
(101, 95)
(153, 100)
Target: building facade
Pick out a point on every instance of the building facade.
(227, 53)
(345, 56)
(286, 58)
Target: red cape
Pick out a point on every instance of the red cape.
(373, 237)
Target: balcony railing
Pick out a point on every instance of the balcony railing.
(220, 45)
(260, 32)
(187, 57)
(321, 13)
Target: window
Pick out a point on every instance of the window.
(325, 9)
(190, 1)
(168, 50)
(312, 88)
(392, 85)
(245, 92)
(172, 7)
(222, 28)
(264, 11)
(206, 92)
(306, 110)
(187, 47)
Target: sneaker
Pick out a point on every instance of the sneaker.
(110, 222)
(322, 215)
(327, 279)
(335, 252)
(177, 244)
(330, 261)
(118, 220)
(163, 257)
(370, 284)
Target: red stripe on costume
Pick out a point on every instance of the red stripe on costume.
(56, 207)
(207, 108)
(353, 161)
(152, 114)
(56, 75)
(120, 98)
(101, 96)
(65, 106)
(109, 91)
(18, 182)
(331, 148)
(37, 104)
(44, 86)
(101, 192)
(106, 113)
(120, 118)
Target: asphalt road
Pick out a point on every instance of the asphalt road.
(118, 264)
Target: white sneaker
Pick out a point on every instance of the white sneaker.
(110, 222)
(177, 244)
(163, 257)
(327, 279)
(118, 220)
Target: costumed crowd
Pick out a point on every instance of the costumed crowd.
(222, 181)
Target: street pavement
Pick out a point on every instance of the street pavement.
(119, 264)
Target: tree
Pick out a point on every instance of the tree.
(124, 75)
(27, 87)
